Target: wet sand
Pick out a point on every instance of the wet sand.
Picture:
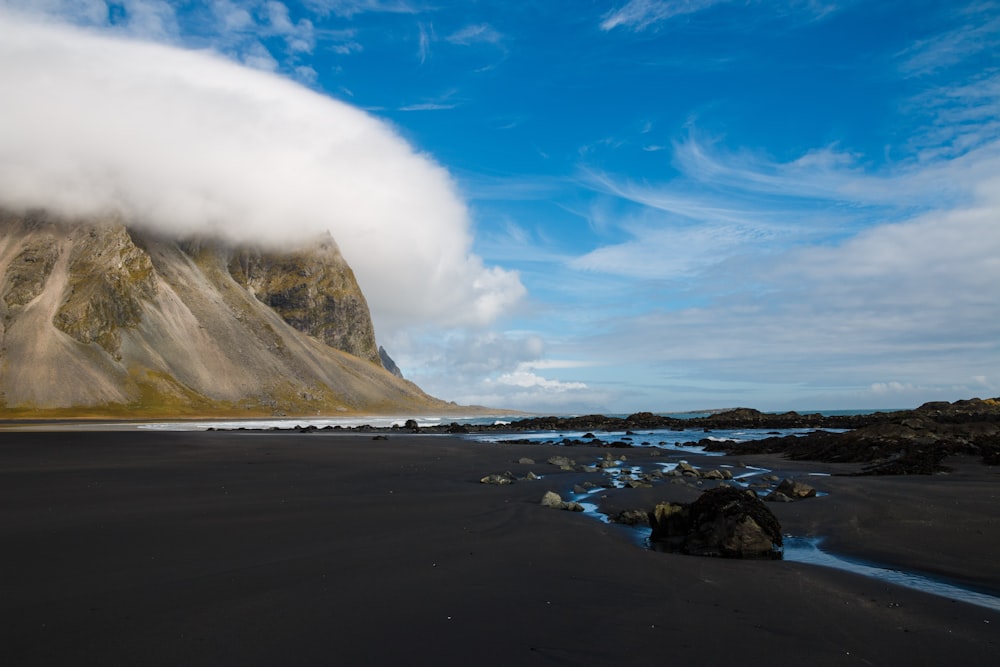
(293, 549)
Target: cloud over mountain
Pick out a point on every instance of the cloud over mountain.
(187, 142)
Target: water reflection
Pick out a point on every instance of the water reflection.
(807, 550)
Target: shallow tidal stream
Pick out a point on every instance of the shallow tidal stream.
(807, 549)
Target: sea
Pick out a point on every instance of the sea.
(671, 439)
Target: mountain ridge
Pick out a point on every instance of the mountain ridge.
(100, 317)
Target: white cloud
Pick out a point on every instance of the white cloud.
(977, 31)
(525, 379)
(349, 8)
(425, 36)
(883, 388)
(640, 14)
(190, 143)
(480, 33)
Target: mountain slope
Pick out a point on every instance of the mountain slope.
(98, 318)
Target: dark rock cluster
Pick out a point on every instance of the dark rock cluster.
(906, 442)
(724, 521)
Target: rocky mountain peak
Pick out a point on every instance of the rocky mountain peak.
(101, 317)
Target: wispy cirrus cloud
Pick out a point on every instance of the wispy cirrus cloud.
(974, 31)
(443, 102)
(479, 33)
(640, 15)
(349, 8)
(425, 36)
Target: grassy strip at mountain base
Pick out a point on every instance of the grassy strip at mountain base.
(159, 396)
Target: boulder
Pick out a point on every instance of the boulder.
(554, 500)
(795, 490)
(687, 469)
(562, 462)
(631, 518)
(501, 479)
(726, 522)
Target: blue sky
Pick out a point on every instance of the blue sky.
(790, 204)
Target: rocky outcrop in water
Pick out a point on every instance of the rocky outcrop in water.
(727, 419)
(907, 442)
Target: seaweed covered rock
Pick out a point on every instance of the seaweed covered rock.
(725, 522)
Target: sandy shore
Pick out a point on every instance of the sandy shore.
(263, 549)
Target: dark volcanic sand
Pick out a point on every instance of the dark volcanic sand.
(134, 548)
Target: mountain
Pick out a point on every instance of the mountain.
(105, 319)
(388, 363)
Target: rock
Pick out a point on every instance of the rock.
(500, 479)
(778, 497)
(525, 461)
(552, 499)
(631, 518)
(795, 490)
(531, 477)
(726, 522)
(387, 362)
(412, 425)
(687, 469)
(314, 291)
(562, 462)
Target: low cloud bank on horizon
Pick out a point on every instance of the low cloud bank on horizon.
(187, 142)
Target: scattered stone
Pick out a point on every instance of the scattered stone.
(500, 479)
(554, 500)
(562, 462)
(795, 490)
(631, 518)
(687, 469)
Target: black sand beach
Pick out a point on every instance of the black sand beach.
(147, 548)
